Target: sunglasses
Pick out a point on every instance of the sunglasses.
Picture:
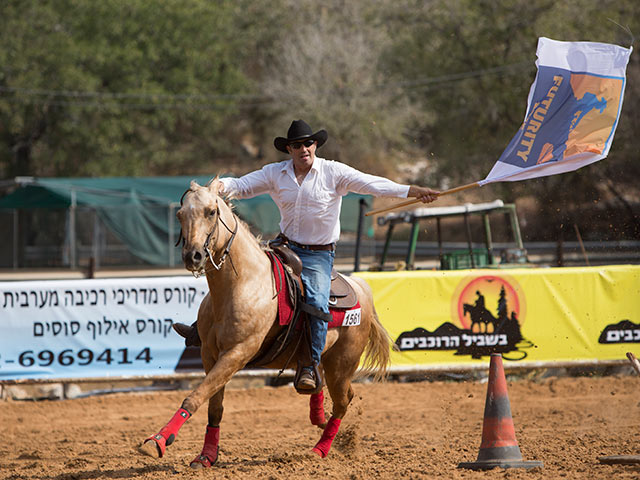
(306, 143)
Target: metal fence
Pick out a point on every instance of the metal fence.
(62, 238)
(41, 239)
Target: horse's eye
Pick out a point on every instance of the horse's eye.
(209, 212)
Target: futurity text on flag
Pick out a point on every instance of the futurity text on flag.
(572, 112)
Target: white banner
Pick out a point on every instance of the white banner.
(95, 328)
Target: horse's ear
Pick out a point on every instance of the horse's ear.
(216, 185)
(193, 185)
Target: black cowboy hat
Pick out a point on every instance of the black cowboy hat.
(299, 130)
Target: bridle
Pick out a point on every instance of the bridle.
(207, 242)
(227, 248)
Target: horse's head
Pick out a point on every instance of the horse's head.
(201, 218)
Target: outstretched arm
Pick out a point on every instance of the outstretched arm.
(352, 180)
(424, 194)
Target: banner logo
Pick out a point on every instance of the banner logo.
(490, 309)
(481, 296)
(623, 332)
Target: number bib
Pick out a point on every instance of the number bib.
(352, 317)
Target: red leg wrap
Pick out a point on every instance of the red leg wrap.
(167, 435)
(209, 454)
(170, 430)
(316, 409)
(324, 445)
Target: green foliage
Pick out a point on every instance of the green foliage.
(184, 87)
(116, 87)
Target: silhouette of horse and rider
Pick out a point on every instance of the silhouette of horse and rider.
(482, 320)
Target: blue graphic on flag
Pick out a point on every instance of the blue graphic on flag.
(555, 114)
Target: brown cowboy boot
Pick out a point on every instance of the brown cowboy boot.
(307, 379)
(189, 333)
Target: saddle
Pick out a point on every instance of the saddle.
(342, 296)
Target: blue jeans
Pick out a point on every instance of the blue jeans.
(316, 278)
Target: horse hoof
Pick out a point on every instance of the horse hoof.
(201, 462)
(153, 446)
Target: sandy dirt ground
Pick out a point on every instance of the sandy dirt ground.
(392, 430)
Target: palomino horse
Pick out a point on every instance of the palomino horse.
(239, 314)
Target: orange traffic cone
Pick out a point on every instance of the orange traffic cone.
(499, 447)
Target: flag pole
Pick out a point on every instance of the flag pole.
(415, 200)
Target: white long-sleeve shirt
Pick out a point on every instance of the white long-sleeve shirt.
(310, 212)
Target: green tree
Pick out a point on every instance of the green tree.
(165, 87)
(117, 87)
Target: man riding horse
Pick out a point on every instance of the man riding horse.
(308, 191)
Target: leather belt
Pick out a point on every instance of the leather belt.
(328, 247)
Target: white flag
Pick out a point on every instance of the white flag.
(573, 109)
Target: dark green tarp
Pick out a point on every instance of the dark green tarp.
(140, 211)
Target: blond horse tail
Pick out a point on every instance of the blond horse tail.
(377, 352)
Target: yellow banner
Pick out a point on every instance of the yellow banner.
(448, 318)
